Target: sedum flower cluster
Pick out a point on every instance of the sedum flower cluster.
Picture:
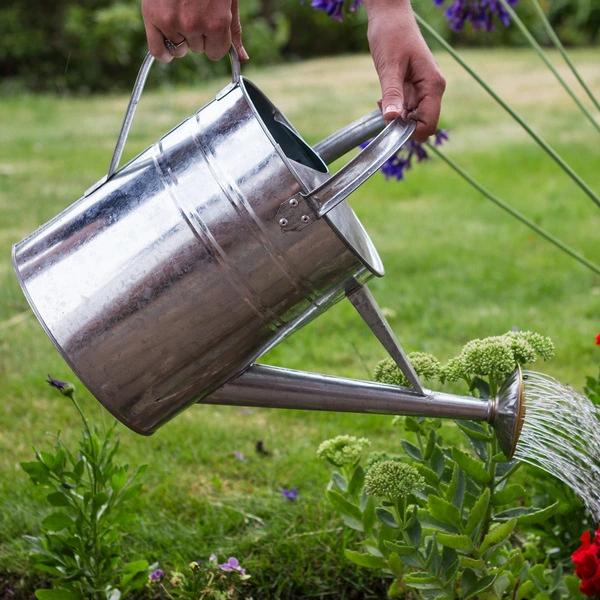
(342, 450)
(392, 479)
(494, 357)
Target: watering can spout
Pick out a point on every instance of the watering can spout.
(274, 387)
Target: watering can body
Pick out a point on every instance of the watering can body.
(175, 273)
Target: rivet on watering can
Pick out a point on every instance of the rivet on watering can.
(283, 222)
(293, 202)
(305, 218)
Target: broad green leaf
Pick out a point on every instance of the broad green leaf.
(497, 535)
(472, 467)
(413, 529)
(472, 587)
(343, 505)
(357, 481)
(443, 510)
(353, 523)
(340, 481)
(118, 480)
(528, 516)
(411, 424)
(58, 499)
(366, 560)
(509, 494)
(37, 471)
(437, 461)
(474, 430)
(423, 581)
(396, 565)
(57, 594)
(57, 521)
(408, 555)
(457, 542)
(430, 476)
(412, 450)
(396, 590)
(368, 516)
(430, 445)
(386, 517)
(471, 563)
(526, 590)
(478, 511)
(429, 522)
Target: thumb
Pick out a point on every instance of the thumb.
(392, 98)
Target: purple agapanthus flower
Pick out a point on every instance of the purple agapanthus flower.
(481, 13)
(334, 8)
(290, 494)
(232, 564)
(157, 575)
(396, 166)
(239, 455)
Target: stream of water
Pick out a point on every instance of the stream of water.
(561, 435)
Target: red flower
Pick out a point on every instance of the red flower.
(587, 564)
(598, 340)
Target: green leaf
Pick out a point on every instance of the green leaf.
(58, 499)
(339, 481)
(396, 564)
(437, 461)
(472, 585)
(472, 467)
(498, 535)
(368, 516)
(429, 522)
(471, 563)
(57, 521)
(431, 477)
(509, 494)
(443, 510)
(528, 516)
(411, 424)
(423, 581)
(457, 542)
(478, 511)
(366, 560)
(357, 481)
(430, 445)
(37, 471)
(413, 529)
(57, 594)
(408, 555)
(386, 517)
(474, 431)
(396, 590)
(412, 450)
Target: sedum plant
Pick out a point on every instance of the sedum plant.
(443, 521)
(88, 494)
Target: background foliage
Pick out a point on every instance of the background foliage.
(98, 45)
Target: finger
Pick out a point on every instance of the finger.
(427, 115)
(156, 44)
(392, 96)
(217, 35)
(196, 41)
(177, 49)
(236, 31)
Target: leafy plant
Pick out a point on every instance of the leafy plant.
(89, 494)
(442, 521)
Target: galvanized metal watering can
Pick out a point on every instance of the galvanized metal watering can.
(172, 275)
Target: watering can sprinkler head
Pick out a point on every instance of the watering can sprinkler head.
(509, 412)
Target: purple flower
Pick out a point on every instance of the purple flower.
(290, 494)
(232, 564)
(239, 455)
(157, 575)
(395, 166)
(481, 13)
(65, 388)
(334, 8)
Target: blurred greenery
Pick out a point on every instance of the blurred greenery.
(76, 46)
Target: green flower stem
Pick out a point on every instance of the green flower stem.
(558, 44)
(491, 469)
(548, 236)
(533, 43)
(542, 143)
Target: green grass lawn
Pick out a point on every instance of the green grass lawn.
(457, 268)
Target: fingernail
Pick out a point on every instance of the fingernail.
(244, 54)
(392, 108)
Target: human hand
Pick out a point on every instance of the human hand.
(208, 26)
(411, 82)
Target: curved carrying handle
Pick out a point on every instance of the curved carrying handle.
(292, 214)
(135, 98)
